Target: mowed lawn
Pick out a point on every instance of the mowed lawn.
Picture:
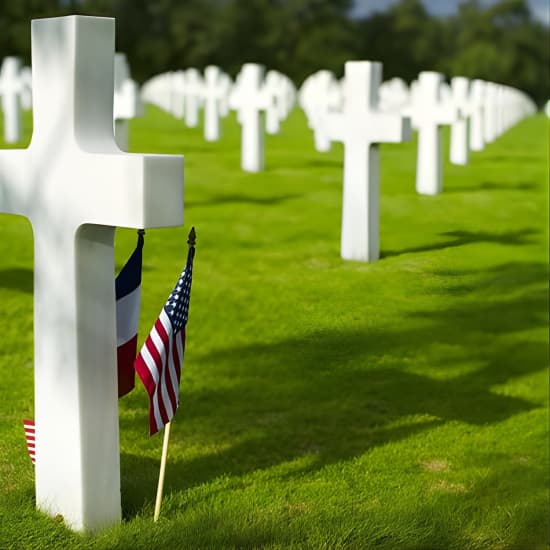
(325, 404)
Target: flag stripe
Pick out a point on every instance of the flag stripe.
(127, 316)
(160, 360)
(29, 428)
(128, 301)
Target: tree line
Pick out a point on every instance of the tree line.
(502, 42)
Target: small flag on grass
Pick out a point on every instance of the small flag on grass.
(29, 436)
(128, 298)
(160, 360)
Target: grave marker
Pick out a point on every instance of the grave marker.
(459, 147)
(11, 90)
(430, 113)
(75, 186)
(193, 93)
(249, 101)
(213, 91)
(477, 99)
(361, 127)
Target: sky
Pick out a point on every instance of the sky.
(539, 8)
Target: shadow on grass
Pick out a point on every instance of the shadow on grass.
(333, 394)
(459, 238)
(493, 186)
(17, 278)
(244, 199)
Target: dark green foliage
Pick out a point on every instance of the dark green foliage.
(500, 43)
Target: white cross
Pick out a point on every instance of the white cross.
(249, 101)
(490, 112)
(213, 91)
(11, 89)
(477, 102)
(75, 186)
(430, 114)
(193, 92)
(127, 103)
(361, 127)
(459, 147)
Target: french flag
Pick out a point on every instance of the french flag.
(128, 299)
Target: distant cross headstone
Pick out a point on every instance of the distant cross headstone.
(193, 93)
(11, 90)
(213, 92)
(459, 147)
(490, 112)
(177, 93)
(361, 127)
(25, 76)
(250, 103)
(75, 186)
(127, 102)
(430, 113)
(477, 103)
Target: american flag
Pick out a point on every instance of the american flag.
(160, 360)
(29, 436)
(128, 298)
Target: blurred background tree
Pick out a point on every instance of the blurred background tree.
(501, 42)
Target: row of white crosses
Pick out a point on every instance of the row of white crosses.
(16, 94)
(184, 93)
(75, 186)
(361, 112)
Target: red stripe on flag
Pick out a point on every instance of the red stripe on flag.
(30, 438)
(126, 353)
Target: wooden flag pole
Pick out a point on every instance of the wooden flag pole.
(160, 487)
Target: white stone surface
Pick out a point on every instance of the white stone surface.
(75, 186)
(459, 148)
(248, 99)
(430, 113)
(320, 94)
(394, 95)
(127, 100)
(361, 127)
(214, 89)
(193, 94)
(25, 77)
(280, 96)
(477, 103)
(11, 90)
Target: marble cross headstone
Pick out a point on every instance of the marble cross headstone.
(193, 93)
(430, 113)
(459, 147)
(75, 186)
(25, 76)
(361, 127)
(127, 101)
(250, 103)
(477, 101)
(213, 90)
(11, 91)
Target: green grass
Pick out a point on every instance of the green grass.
(401, 404)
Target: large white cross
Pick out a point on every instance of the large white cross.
(361, 127)
(430, 113)
(75, 186)
(11, 90)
